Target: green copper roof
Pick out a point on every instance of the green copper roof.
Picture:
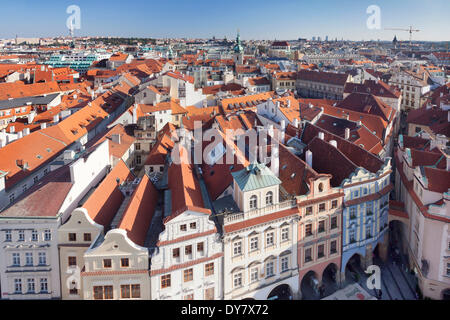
(255, 176)
(238, 48)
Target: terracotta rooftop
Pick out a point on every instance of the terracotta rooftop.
(138, 215)
(105, 201)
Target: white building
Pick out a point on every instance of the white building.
(29, 259)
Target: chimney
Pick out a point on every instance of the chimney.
(448, 115)
(448, 163)
(115, 138)
(321, 135)
(428, 106)
(43, 125)
(347, 133)
(295, 123)
(19, 135)
(359, 123)
(275, 159)
(333, 143)
(135, 113)
(31, 116)
(288, 103)
(26, 131)
(278, 104)
(2, 143)
(12, 129)
(309, 158)
(283, 125)
(56, 118)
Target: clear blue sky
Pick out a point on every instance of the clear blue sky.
(256, 19)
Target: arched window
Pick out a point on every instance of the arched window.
(320, 187)
(253, 202)
(269, 198)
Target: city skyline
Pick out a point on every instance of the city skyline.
(256, 21)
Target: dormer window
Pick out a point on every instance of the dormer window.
(320, 187)
(269, 198)
(253, 202)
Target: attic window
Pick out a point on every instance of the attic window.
(284, 167)
(48, 150)
(292, 176)
(39, 156)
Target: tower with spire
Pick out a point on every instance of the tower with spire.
(238, 50)
(395, 41)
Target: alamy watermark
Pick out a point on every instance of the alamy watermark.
(374, 20)
(74, 20)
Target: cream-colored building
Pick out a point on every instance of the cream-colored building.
(260, 238)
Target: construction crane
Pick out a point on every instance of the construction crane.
(410, 30)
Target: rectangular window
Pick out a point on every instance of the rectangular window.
(29, 258)
(352, 236)
(21, 235)
(183, 227)
(369, 231)
(269, 239)
(124, 262)
(322, 226)
(98, 293)
(87, 236)
(30, 285)
(209, 294)
(448, 269)
(308, 230)
(42, 259)
(108, 292)
(8, 236)
(237, 248)
(309, 210)
(188, 275)
(72, 237)
(237, 280)
(284, 234)
(47, 235)
(135, 291)
(333, 223)
(321, 251)
(125, 291)
(284, 264)
(165, 281)
(192, 225)
(321, 207)
(188, 250)
(269, 269)
(34, 235)
(334, 204)
(17, 285)
(333, 247)
(16, 259)
(209, 269)
(254, 274)
(254, 243)
(138, 146)
(176, 253)
(353, 213)
(72, 261)
(308, 256)
(200, 247)
(107, 263)
(44, 285)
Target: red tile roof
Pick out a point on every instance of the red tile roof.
(105, 201)
(138, 215)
